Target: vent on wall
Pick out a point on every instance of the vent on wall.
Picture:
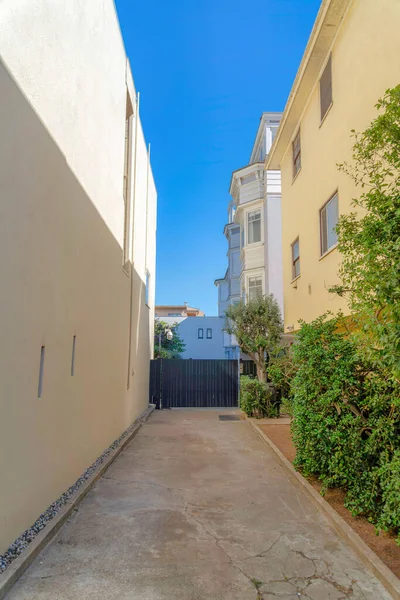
(73, 356)
(41, 372)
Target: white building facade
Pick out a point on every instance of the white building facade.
(203, 336)
(78, 242)
(255, 218)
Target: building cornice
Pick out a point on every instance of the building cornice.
(229, 226)
(243, 171)
(326, 25)
(249, 203)
(261, 129)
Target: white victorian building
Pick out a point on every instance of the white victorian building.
(253, 230)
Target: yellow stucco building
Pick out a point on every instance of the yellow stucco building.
(351, 58)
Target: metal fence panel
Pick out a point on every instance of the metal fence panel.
(194, 383)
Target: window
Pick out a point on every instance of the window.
(147, 289)
(296, 148)
(325, 88)
(254, 227)
(200, 333)
(255, 287)
(328, 218)
(127, 176)
(174, 314)
(295, 259)
(235, 263)
(248, 179)
(209, 334)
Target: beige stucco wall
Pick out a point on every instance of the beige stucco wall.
(363, 67)
(63, 88)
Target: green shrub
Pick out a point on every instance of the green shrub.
(347, 421)
(389, 479)
(281, 370)
(256, 398)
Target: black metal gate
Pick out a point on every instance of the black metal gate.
(193, 383)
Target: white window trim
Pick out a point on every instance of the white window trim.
(246, 213)
(251, 275)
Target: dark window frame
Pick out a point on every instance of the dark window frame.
(209, 331)
(296, 261)
(322, 210)
(325, 89)
(200, 333)
(296, 153)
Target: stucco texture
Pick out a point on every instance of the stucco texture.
(363, 67)
(63, 81)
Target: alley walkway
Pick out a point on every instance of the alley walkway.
(196, 509)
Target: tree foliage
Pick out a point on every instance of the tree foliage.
(257, 326)
(370, 244)
(169, 348)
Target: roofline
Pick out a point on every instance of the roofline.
(229, 225)
(175, 306)
(326, 25)
(221, 278)
(261, 165)
(263, 118)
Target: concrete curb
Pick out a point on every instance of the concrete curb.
(350, 537)
(20, 564)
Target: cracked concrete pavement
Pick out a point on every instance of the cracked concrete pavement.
(197, 509)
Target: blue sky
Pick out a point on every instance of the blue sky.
(205, 71)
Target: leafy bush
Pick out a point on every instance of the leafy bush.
(347, 420)
(256, 398)
(389, 478)
(280, 371)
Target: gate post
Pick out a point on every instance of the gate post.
(238, 374)
(161, 382)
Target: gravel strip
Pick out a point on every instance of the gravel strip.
(26, 538)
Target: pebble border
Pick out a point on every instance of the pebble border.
(23, 541)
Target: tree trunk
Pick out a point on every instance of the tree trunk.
(259, 361)
(261, 374)
(260, 364)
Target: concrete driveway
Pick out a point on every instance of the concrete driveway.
(196, 509)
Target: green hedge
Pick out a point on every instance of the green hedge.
(346, 425)
(257, 398)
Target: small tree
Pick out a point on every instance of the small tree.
(258, 328)
(169, 348)
(370, 243)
